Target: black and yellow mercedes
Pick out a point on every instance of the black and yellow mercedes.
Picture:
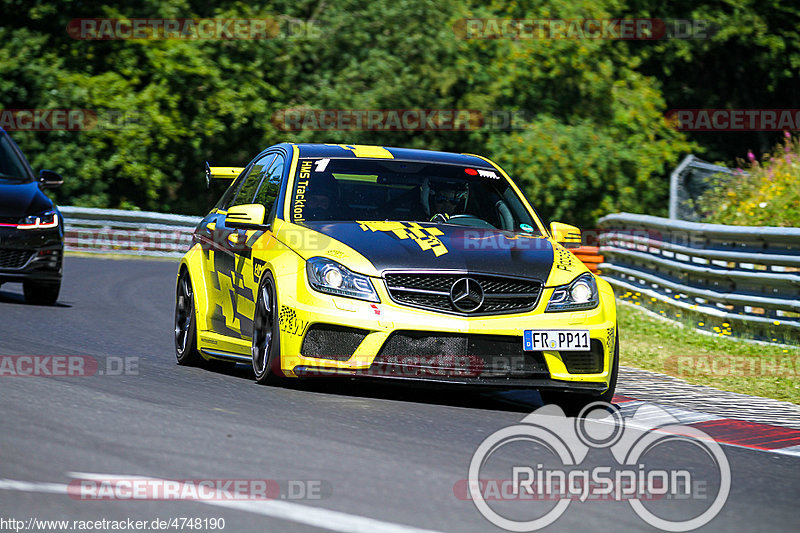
(397, 264)
(31, 227)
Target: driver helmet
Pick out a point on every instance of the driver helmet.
(450, 196)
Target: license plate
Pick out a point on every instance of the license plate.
(557, 340)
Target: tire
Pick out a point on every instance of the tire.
(265, 347)
(185, 327)
(41, 292)
(573, 403)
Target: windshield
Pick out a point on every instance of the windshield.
(369, 189)
(11, 165)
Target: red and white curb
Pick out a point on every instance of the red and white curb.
(667, 390)
(733, 432)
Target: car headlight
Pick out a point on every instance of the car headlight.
(328, 276)
(579, 295)
(44, 221)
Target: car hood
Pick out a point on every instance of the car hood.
(19, 199)
(428, 246)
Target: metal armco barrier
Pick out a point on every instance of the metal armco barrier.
(731, 280)
(116, 231)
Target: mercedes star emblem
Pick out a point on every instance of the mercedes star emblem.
(466, 295)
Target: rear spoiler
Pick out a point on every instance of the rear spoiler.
(222, 173)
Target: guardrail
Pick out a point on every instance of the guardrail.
(116, 231)
(731, 280)
(748, 276)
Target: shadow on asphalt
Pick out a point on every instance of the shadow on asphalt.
(522, 401)
(17, 298)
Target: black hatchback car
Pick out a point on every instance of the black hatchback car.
(31, 227)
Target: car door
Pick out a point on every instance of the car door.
(256, 246)
(226, 316)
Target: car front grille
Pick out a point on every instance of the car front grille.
(14, 259)
(431, 290)
(336, 343)
(590, 362)
(419, 353)
(9, 220)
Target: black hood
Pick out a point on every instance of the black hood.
(18, 199)
(406, 245)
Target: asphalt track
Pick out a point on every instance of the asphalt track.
(386, 458)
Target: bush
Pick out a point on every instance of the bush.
(768, 194)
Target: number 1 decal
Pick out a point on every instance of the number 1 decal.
(321, 165)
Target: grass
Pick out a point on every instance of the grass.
(662, 346)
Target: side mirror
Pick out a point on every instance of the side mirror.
(566, 235)
(49, 179)
(247, 216)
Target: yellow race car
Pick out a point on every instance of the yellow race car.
(361, 261)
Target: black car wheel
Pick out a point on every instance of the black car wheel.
(266, 334)
(41, 292)
(185, 328)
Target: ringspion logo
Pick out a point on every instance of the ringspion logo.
(502, 469)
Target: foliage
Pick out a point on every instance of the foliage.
(745, 54)
(588, 135)
(768, 194)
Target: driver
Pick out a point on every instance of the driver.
(446, 198)
(321, 195)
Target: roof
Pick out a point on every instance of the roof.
(379, 152)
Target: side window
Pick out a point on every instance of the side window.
(10, 162)
(250, 184)
(230, 195)
(270, 185)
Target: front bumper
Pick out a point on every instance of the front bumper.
(329, 336)
(35, 255)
